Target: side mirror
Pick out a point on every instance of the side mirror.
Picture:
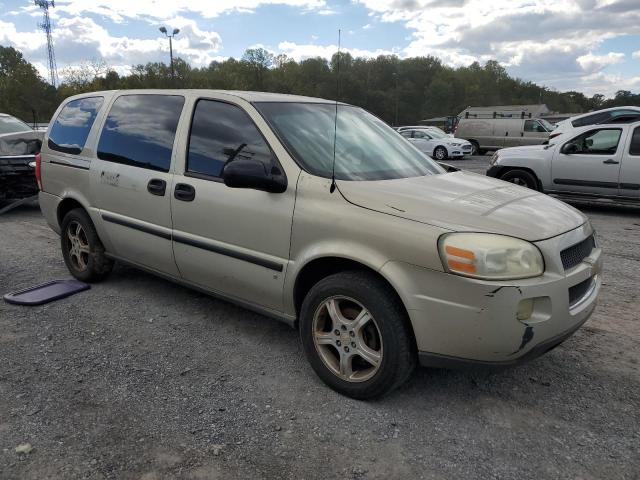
(569, 148)
(242, 173)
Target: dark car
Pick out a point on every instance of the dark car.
(19, 144)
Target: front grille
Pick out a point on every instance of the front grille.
(577, 292)
(575, 254)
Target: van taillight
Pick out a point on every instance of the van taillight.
(39, 170)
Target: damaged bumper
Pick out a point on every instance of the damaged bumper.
(17, 177)
(17, 164)
(460, 321)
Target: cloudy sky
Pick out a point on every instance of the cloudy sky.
(591, 46)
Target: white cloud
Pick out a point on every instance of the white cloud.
(119, 10)
(541, 40)
(595, 63)
(80, 39)
(300, 52)
(636, 54)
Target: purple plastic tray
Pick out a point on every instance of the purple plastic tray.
(46, 292)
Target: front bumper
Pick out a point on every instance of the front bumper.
(494, 171)
(458, 320)
(17, 177)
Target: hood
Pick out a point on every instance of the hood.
(528, 151)
(21, 143)
(464, 201)
(451, 140)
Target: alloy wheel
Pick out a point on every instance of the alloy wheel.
(347, 339)
(518, 181)
(79, 249)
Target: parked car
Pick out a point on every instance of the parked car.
(437, 145)
(431, 128)
(495, 133)
(606, 116)
(385, 261)
(595, 161)
(19, 144)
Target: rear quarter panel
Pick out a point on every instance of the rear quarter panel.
(67, 176)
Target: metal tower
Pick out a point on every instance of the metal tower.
(46, 27)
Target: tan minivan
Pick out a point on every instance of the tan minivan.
(496, 133)
(380, 257)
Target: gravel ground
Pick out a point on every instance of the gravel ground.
(143, 379)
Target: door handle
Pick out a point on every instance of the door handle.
(506, 134)
(522, 134)
(157, 186)
(611, 162)
(184, 192)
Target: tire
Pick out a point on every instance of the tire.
(520, 177)
(475, 150)
(84, 255)
(440, 153)
(387, 335)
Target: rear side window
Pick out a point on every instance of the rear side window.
(72, 126)
(635, 142)
(605, 117)
(221, 133)
(140, 130)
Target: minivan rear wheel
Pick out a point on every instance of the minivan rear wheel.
(520, 177)
(356, 335)
(440, 153)
(82, 250)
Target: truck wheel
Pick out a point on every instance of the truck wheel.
(475, 150)
(356, 335)
(520, 177)
(82, 250)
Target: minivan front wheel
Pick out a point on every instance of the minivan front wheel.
(355, 334)
(82, 250)
(520, 177)
(440, 153)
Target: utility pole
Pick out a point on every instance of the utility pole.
(395, 76)
(175, 32)
(45, 25)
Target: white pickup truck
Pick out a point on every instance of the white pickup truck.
(594, 161)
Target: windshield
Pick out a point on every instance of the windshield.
(12, 125)
(366, 148)
(437, 133)
(548, 126)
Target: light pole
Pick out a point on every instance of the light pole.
(175, 32)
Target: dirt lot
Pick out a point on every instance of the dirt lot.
(139, 378)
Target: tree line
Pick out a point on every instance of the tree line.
(412, 89)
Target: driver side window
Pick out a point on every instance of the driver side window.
(533, 126)
(596, 142)
(220, 133)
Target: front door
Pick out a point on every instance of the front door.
(423, 142)
(534, 133)
(234, 242)
(131, 178)
(630, 168)
(589, 163)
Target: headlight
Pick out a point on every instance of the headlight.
(489, 256)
